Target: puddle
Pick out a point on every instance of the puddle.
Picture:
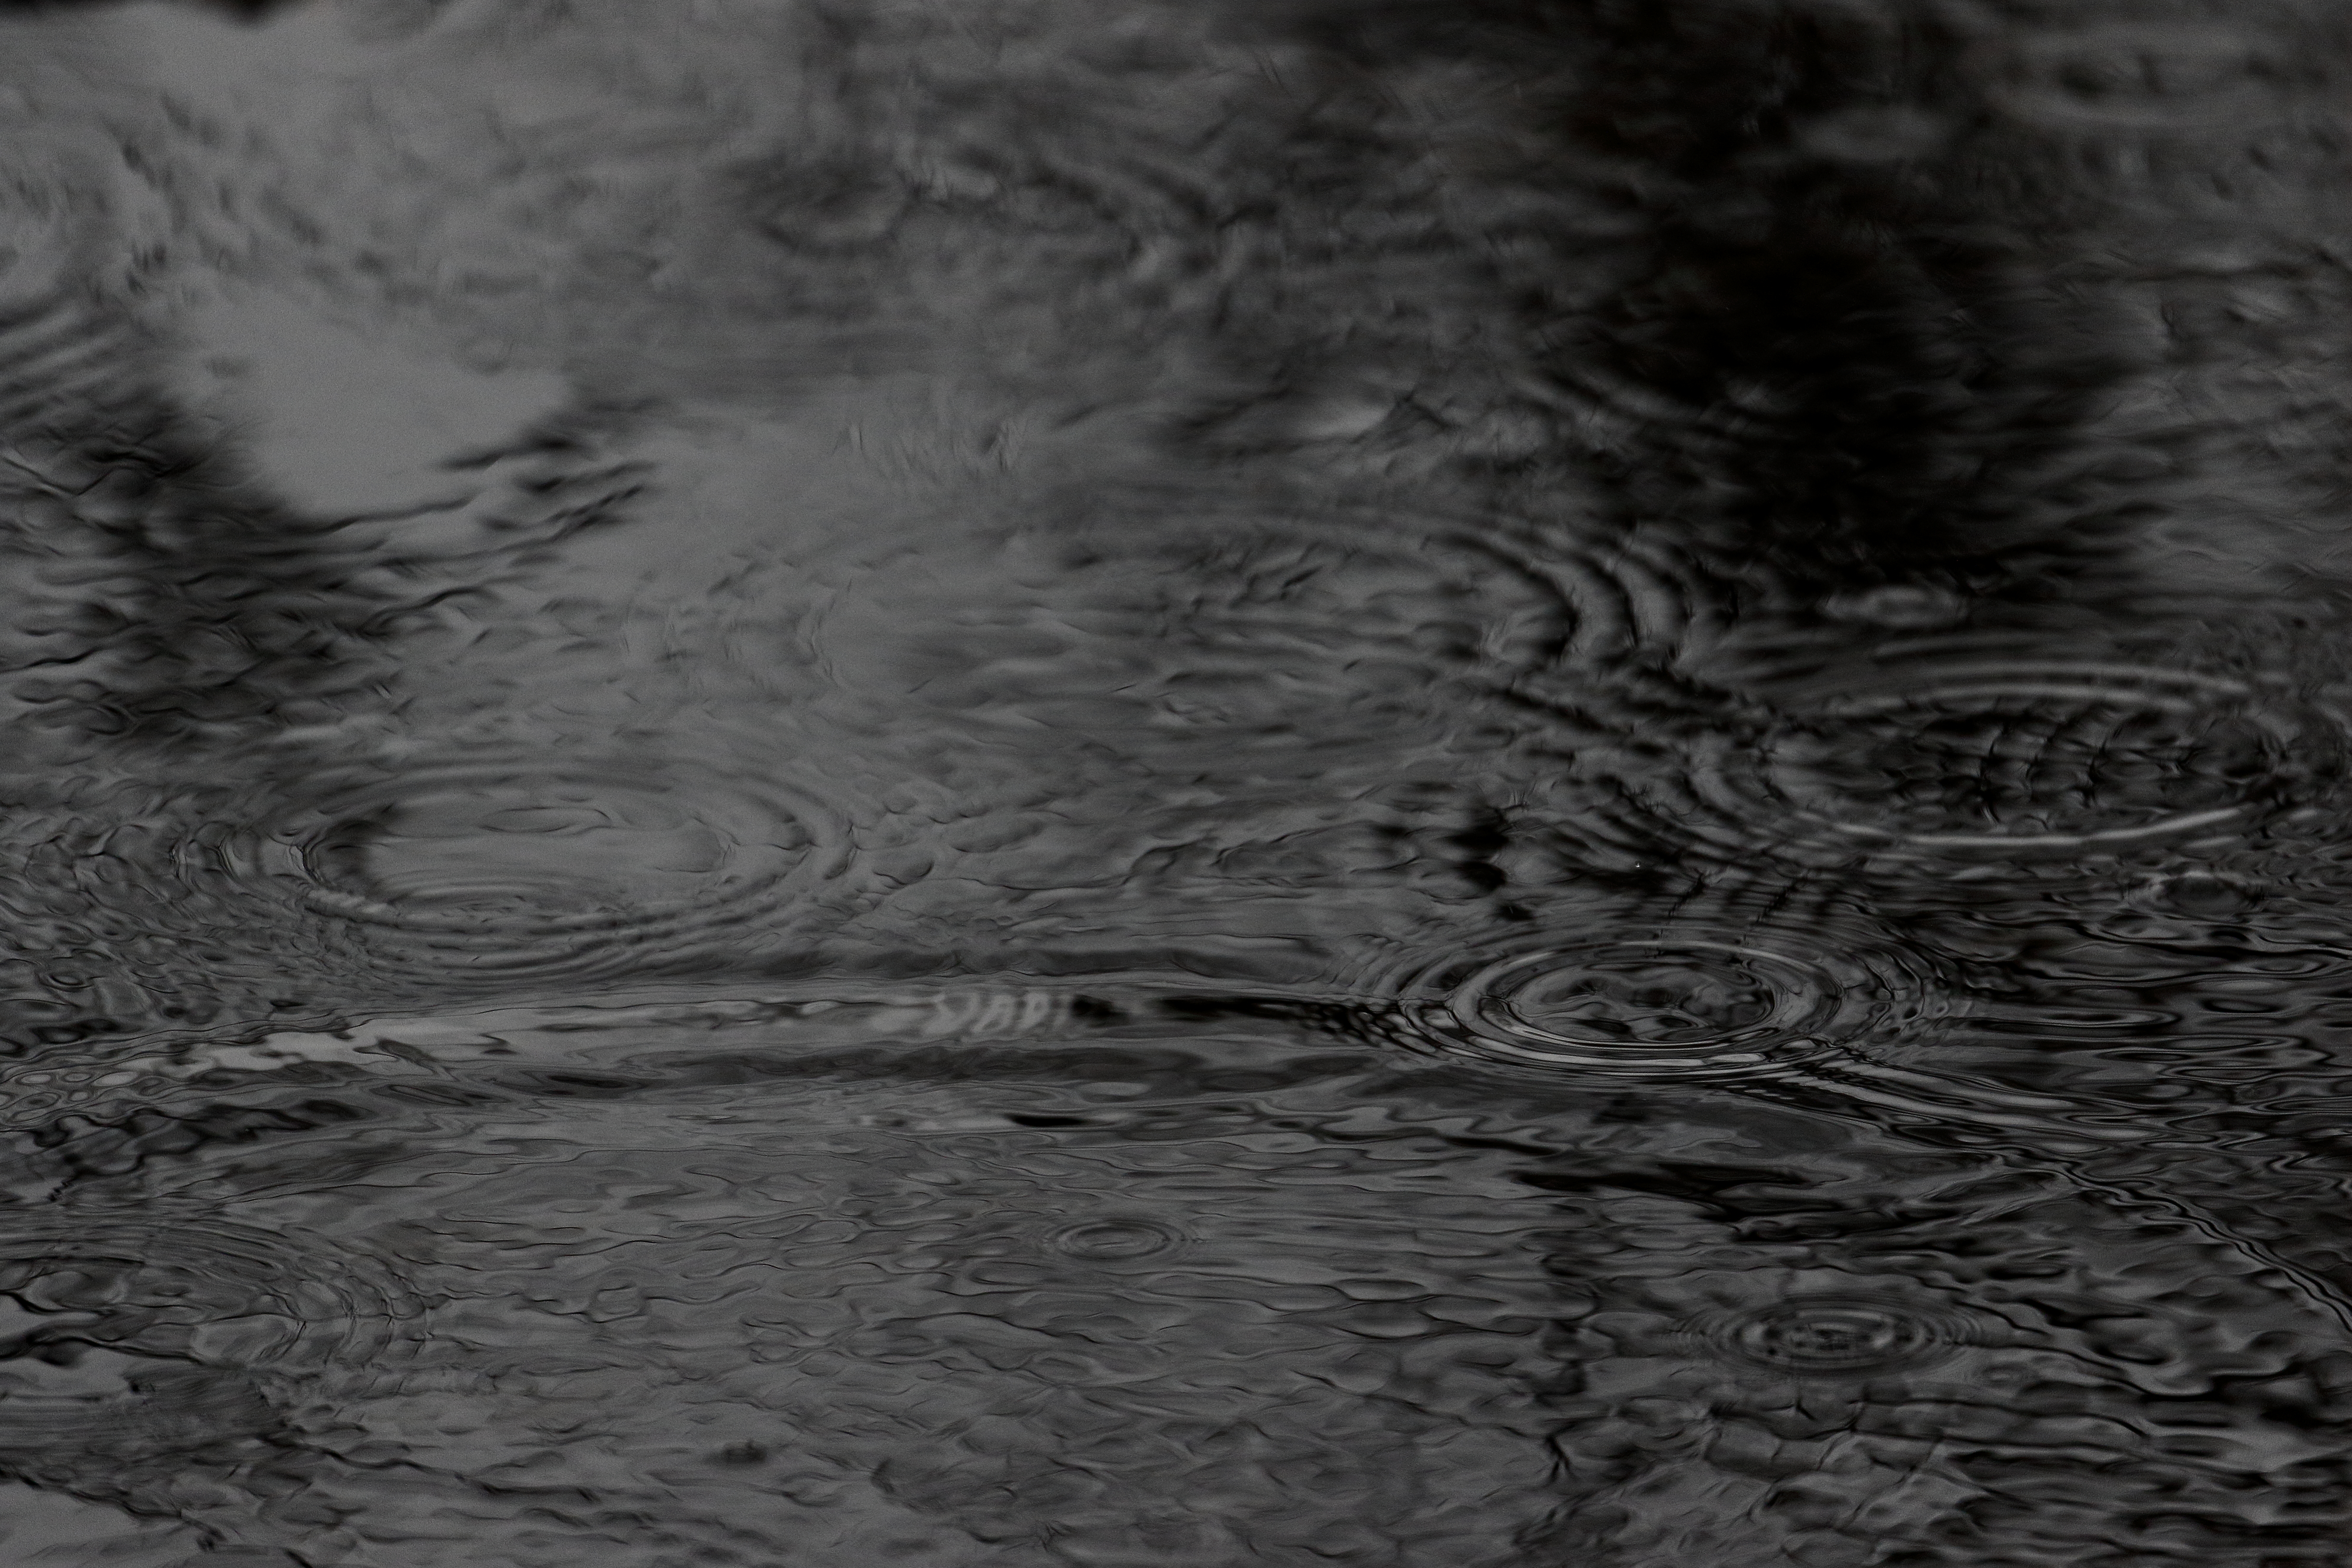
(1165, 786)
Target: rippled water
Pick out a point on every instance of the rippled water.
(1152, 787)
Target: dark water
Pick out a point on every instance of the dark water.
(1132, 785)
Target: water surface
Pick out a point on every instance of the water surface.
(1162, 787)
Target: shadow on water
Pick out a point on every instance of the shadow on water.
(1506, 784)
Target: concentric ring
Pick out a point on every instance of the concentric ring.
(1761, 1311)
(1515, 604)
(504, 862)
(1115, 1238)
(1666, 1004)
(1831, 1335)
(2000, 759)
(189, 1318)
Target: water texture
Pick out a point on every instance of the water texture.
(1506, 784)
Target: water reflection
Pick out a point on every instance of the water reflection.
(835, 1275)
(834, 1287)
(1143, 789)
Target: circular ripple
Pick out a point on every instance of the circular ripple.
(1749, 1312)
(1210, 639)
(1664, 1005)
(1300, 603)
(521, 862)
(120, 1334)
(2002, 759)
(1830, 1335)
(1113, 1240)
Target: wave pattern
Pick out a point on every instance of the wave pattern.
(1417, 785)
